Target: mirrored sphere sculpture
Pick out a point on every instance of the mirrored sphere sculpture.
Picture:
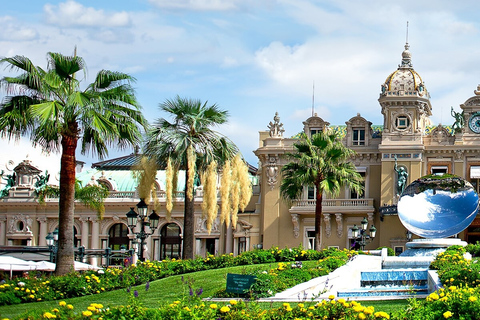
(438, 206)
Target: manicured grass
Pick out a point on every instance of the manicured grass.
(160, 291)
(170, 289)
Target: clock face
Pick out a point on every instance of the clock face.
(474, 123)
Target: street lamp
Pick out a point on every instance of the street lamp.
(361, 233)
(409, 235)
(133, 218)
(51, 243)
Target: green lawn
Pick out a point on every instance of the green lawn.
(168, 290)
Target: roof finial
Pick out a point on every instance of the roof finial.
(406, 55)
(313, 99)
(407, 33)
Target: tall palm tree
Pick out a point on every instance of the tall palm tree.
(321, 162)
(189, 132)
(49, 107)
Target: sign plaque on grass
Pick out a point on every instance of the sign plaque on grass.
(239, 283)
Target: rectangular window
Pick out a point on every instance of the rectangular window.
(242, 244)
(402, 122)
(439, 169)
(311, 193)
(355, 195)
(314, 131)
(311, 239)
(398, 250)
(358, 137)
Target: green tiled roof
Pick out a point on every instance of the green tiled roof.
(124, 180)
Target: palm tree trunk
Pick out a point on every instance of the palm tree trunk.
(318, 219)
(188, 223)
(65, 254)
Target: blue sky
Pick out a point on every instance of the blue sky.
(257, 57)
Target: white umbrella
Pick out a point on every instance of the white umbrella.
(8, 263)
(45, 266)
(79, 266)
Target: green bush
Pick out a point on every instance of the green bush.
(390, 251)
(90, 282)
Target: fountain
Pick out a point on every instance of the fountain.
(435, 207)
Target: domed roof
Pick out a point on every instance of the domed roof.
(405, 80)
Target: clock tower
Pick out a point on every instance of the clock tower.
(406, 109)
(471, 113)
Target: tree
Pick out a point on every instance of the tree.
(189, 143)
(321, 162)
(49, 107)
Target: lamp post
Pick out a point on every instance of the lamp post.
(409, 235)
(361, 234)
(52, 238)
(133, 218)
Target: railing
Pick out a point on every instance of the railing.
(334, 203)
(160, 194)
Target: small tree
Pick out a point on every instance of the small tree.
(321, 161)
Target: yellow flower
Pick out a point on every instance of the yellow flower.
(31, 296)
(382, 314)
(69, 306)
(358, 308)
(233, 302)
(87, 313)
(55, 310)
(224, 309)
(91, 308)
(187, 309)
(362, 316)
(472, 299)
(62, 303)
(433, 296)
(447, 314)
(331, 297)
(49, 315)
(369, 310)
(213, 306)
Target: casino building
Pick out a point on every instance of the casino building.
(405, 141)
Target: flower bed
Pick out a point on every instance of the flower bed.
(42, 287)
(460, 299)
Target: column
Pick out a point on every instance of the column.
(95, 239)
(229, 241)
(3, 229)
(42, 234)
(84, 231)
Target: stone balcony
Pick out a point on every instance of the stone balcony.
(347, 206)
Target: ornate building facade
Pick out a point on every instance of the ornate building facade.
(406, 142)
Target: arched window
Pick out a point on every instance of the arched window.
(170, 241)
(118, 236)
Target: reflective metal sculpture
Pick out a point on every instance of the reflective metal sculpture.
(438, 206)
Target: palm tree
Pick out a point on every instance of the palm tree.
(49, 107)
(320, 162)
(188, 137)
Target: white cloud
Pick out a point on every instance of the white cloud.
(201, 5)
(13, 30)
(74, 14)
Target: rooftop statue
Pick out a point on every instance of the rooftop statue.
(402, 176)
(459, 121)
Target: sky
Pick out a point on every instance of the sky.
(255, 57)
